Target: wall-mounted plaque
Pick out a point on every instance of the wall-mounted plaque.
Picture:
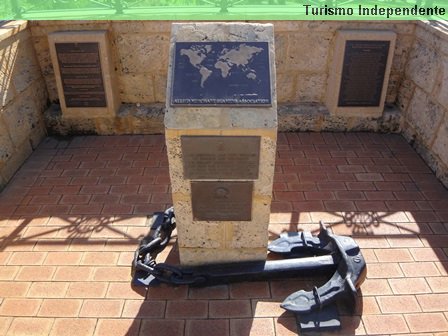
(81, 74)
(359, 73)
(363, 73)
(221, 157)
(221, 73)
(84, 73)
(222, 201)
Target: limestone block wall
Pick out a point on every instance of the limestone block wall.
(416, 102)
(303, 54)
(303, 57)
(23, 97)
(423, 97)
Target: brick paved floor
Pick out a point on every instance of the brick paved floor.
(73, 215)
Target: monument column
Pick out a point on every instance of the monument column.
(221, 129)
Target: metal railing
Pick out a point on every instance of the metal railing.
(20, 7)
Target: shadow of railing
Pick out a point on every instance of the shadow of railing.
(382, 229)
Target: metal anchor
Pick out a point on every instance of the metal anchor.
(324, 253)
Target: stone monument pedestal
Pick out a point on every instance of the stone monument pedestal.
(221, 140)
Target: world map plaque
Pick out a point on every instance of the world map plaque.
(221, 73)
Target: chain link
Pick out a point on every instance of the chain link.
(154, 243)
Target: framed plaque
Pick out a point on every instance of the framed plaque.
(84, 73)
(221, 201)
(221, 157)
(359, 73)
(221, 73)
(81, 74)
(363, 73)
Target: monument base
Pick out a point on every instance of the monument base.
(218, 241)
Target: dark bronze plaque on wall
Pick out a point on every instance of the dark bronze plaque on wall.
(81, 75)
(221, 73)
(222, 201)
(221, 157)
(363, 73)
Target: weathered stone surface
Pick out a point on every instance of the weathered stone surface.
(139, 53)
(40, 97)
(423, 66)
(301, 117)
(43, 28)
(424, 115)
(208, 256)
(433, 34)
(286, 87)
(52, 89)
(392, 89)
(136, 88)
(440, 146)
(6, 145)
(8, 54)
(403, 48)
(37, 134)
(122, 27)
(442, 88)
(405, 94)
(308, 52)
(25, 67)
(17, 159)
(159, 87)
(131, 119)
(431, 159)
(19, 118)
(145, 119)
(281, 50)
(13, 28)
(311, 87)
(23, 97)
(42, 50)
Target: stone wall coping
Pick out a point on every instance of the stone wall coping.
(439, 28)
(12, 28)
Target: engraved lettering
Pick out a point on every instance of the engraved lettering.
(363, 73)
(81, 74)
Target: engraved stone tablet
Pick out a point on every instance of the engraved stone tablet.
(84, 73)
(222, 201)
(81, 75)
(221, 157)
(363, 73)
(221, 73)
(359, 73)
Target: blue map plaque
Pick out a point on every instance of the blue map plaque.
(221, 73)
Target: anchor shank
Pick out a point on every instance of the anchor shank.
(224, 273)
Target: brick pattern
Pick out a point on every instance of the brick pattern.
(77, 209)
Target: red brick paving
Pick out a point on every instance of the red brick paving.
(72, 216)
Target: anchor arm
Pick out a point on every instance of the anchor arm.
(350, 274)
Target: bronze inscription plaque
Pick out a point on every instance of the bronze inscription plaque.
(363, 73)
(81, 75)
(221, 157)
(222, 201)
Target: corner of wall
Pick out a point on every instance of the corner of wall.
(23, 97)
(423, 97)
